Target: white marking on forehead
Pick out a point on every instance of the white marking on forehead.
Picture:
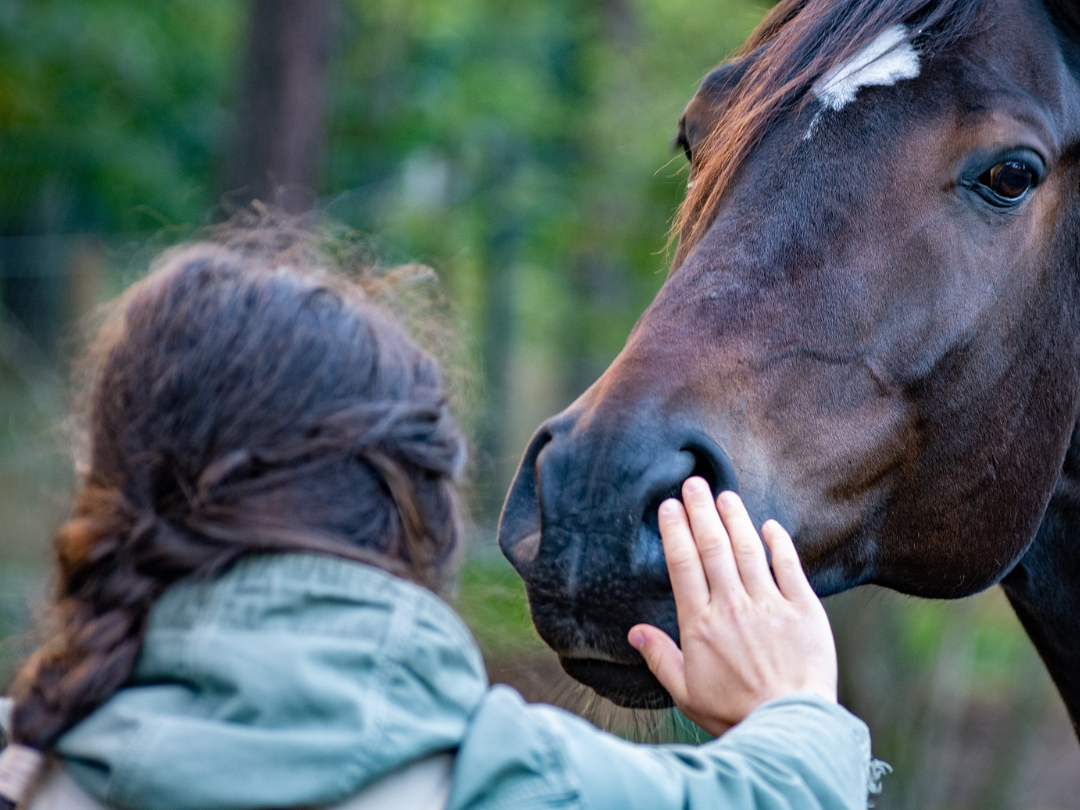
(887, 60)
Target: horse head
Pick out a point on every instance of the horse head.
(871, 329)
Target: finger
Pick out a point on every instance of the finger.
(711, 538)
(663, 656)
(785, 563)
(748, 551)
(688, 582)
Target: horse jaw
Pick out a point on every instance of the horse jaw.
(1044, 587)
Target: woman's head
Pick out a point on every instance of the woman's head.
(238, 408)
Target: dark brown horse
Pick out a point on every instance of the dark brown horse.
(871, 330)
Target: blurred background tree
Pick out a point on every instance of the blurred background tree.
(521, 149)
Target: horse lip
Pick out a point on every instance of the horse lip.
(632, 686)
(590, 653)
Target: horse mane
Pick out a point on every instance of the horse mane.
(798, 42)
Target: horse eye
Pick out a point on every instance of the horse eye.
(1010, 180)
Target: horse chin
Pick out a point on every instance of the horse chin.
(631, 686)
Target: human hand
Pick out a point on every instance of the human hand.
(746, 638)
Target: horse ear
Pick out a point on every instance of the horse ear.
(703, 111)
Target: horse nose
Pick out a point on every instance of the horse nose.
(584, 503)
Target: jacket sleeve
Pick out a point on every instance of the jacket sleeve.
(796, 753)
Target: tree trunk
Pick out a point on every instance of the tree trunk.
(279, 130)
(596, 282)
(502, 246)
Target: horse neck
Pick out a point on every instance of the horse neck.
(1044, 587)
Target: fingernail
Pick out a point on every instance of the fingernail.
(728, 498)
(695, 485)
(637, 638)
(669, 508)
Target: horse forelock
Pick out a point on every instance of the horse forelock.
(798, 45)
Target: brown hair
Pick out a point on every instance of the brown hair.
(237, 408)
(798, 43)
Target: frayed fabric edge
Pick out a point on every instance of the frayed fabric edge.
(877, 771)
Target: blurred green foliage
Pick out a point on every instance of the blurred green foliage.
(524, 150)
(492, 601)
(117, 107)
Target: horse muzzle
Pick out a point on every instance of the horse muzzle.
(580, 527)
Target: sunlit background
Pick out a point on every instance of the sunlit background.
(521, 149)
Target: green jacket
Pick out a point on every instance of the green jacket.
(298, 680)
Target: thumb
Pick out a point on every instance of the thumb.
(663, 657)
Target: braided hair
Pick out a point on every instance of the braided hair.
(237, 408)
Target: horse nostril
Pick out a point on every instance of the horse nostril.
(711, 464)
(700, 458)
(702, 461)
